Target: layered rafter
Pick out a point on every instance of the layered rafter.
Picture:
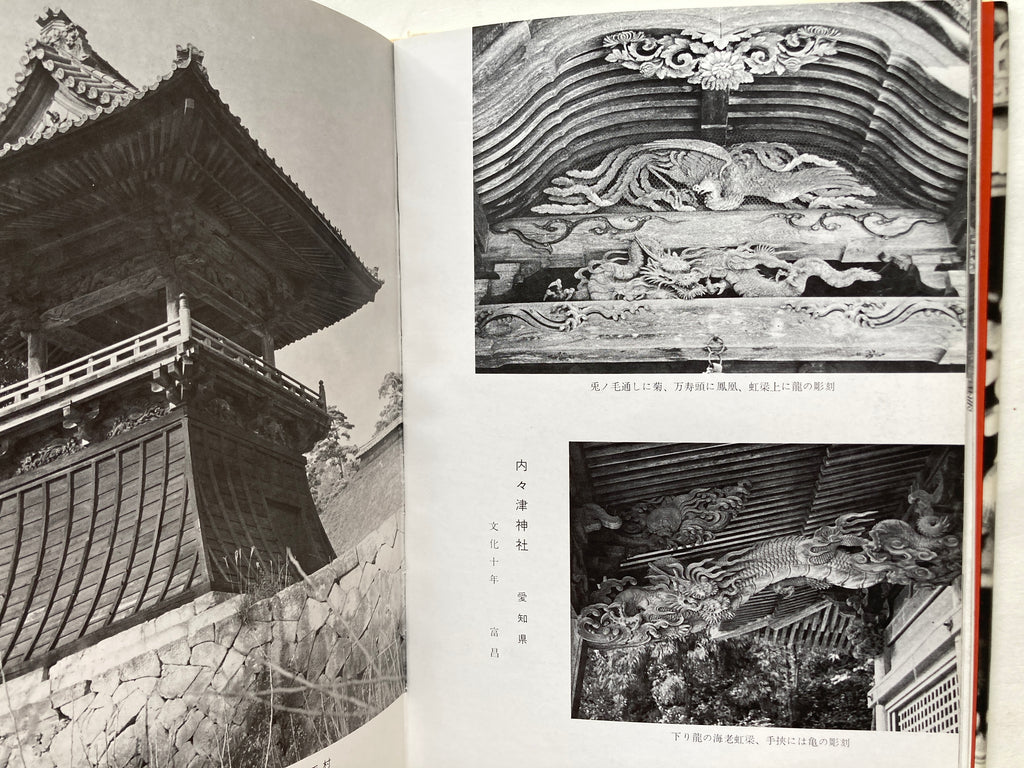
(879, 110)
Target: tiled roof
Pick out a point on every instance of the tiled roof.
(187, 56)
(86, 79)
(188, 66)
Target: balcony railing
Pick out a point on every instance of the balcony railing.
(99, 364)
(132, 359)
(243, 357)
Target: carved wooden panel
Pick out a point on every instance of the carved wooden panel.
(789, 331)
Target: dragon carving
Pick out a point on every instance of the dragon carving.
(652, 271)
(680, 600)
(691, 174)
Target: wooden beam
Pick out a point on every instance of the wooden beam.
(78, 230)
(781, 331)
(714, 115)
(70, 202)
(222, 301)
(581, 486)
(223, 232)
(102, 299)
(73, 340)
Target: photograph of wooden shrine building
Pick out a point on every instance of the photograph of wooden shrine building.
(779, 188)
(793, 585)
(152, 259)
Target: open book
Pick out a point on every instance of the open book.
(691, 472)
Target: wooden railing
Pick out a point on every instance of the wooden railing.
(93, 366)
(103, 369)
(243, 357)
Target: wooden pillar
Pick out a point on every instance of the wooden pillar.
(172, 291)
(185, 316)
(36, 353)
(268, 347)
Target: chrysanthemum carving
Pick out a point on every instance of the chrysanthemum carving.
(721, 71)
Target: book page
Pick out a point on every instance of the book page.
(201, 474)
(645, 442)
(1005, 686)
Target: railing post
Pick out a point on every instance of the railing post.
(268, 347)
(323, 395)
(184, 317)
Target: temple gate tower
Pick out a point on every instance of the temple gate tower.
(152, 258)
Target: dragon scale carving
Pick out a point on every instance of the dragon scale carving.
(679, 600)
(692, 174)
(652, 271)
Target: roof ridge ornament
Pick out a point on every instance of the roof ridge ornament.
(186, 54)
(63, 34)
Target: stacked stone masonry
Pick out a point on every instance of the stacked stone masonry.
(202, 685)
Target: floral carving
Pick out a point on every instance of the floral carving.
(80, 429)
(879, 313)
(873, 222)
(721, 71)
(560, 317)
(134, 413)
(560, 229)
(721, 62)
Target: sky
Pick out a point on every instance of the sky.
(315, 90)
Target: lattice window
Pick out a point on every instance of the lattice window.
(934, 711)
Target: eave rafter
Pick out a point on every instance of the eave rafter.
(546, 97)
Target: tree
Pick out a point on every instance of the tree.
(391, 393)
(11, 370)
(738, 681)
(333, 457)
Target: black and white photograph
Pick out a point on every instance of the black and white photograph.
(759, 189)
(776, 585)
(201, 488)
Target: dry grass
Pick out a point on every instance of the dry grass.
(292, 717)
(255, 579)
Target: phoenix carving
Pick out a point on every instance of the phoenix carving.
(691, 174)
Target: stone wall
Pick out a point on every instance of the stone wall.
(377, 490)
(226, 679)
